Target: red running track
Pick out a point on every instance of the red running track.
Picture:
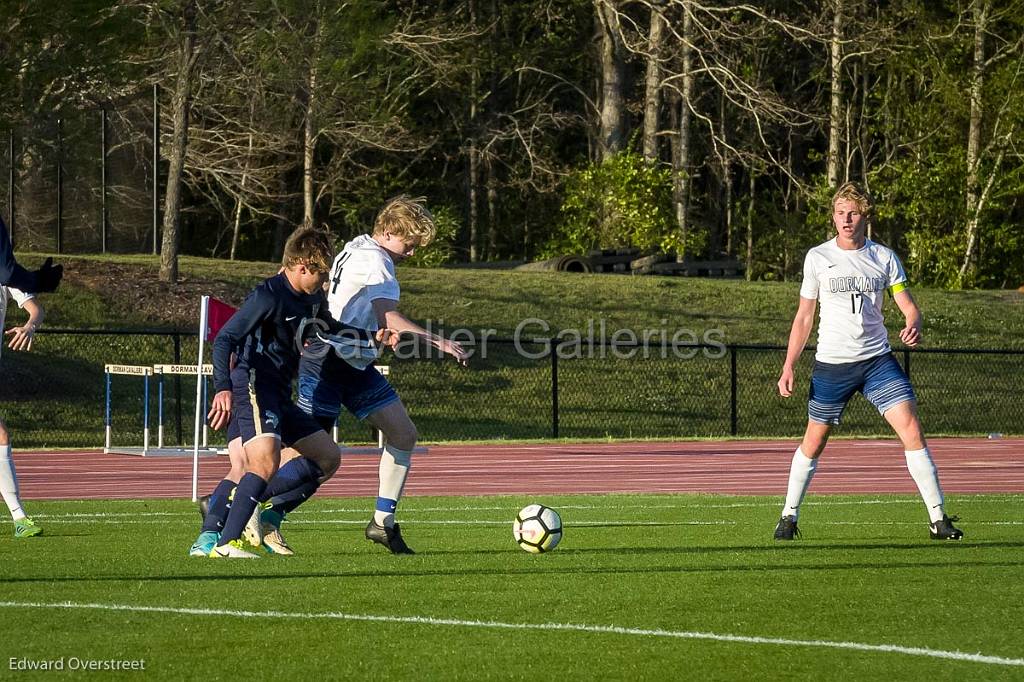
(732, 467)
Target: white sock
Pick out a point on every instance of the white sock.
(801, 471)
(922, 468)
(393, 470)
(9, 483)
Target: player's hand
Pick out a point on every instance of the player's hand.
(786, 382)
(48, 276)
(455, 349)
(387, 337)
(911, 336)
(220, 411)
(21, 337)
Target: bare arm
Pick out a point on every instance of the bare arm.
(911, 332)
(21, 337)
(388, 317)
(801, 329)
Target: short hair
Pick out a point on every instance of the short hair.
(855, 192)
(407, 217)
(310, 247)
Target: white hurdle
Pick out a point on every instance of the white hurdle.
(143, 371)
(181, 370)
(159, 371)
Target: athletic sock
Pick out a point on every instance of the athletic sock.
(393, 470)
(922, 468)
(293, 484)
(248, 492)
(9, 483)
(289, 501)
(801, 471)
(295, 473)
(220, 503)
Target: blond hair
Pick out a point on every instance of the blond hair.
(406, 217)
(310, 247)
(855, 192)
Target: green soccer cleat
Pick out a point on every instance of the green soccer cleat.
(26, 528)
(232, 550)
(205, 543)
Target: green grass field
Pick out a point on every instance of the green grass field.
(642, 587)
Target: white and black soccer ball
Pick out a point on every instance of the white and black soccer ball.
(537, 528)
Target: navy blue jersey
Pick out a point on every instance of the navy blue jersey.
(12, 274)
(266, 333)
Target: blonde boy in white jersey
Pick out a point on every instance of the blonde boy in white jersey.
(21, 339)
(363, 292)
(849, 275)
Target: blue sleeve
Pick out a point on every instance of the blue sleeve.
(257, 308)
(12, 274)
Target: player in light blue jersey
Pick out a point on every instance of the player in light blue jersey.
(849, 276)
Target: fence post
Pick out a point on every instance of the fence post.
(60, 185)
(906, 362)
(103, 179)
(10, 187)
(177, 389)
(554, 388)
(156, 164)
(733, 416)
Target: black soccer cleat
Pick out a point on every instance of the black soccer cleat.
(389, 537)
(204, 506)
(787, 530)
(945, 530)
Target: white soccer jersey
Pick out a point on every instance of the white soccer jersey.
(362, 273)
(850, 289)
(19, 296)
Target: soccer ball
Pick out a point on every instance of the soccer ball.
(537, 528)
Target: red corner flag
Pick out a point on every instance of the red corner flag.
(217, 315)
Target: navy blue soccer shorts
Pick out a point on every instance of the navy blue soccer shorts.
(325, 389)
(881, 379)
(265, 409)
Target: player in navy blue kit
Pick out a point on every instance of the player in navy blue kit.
(267, 336)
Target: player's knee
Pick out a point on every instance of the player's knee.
(262, 466)
(403, 436)
(330, 466)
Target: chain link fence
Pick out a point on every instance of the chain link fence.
(83, 182)
(54, 396)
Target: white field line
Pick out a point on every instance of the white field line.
(562, 627)
(307, 520)
(448, 510)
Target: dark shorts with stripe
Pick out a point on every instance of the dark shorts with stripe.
(325, 388)
(265, 409)
(881, 379)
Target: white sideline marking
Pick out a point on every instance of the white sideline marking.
(565, 627)
(312, 520)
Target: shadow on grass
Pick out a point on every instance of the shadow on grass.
(560, 570)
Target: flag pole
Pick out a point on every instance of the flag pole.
(204, 306)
